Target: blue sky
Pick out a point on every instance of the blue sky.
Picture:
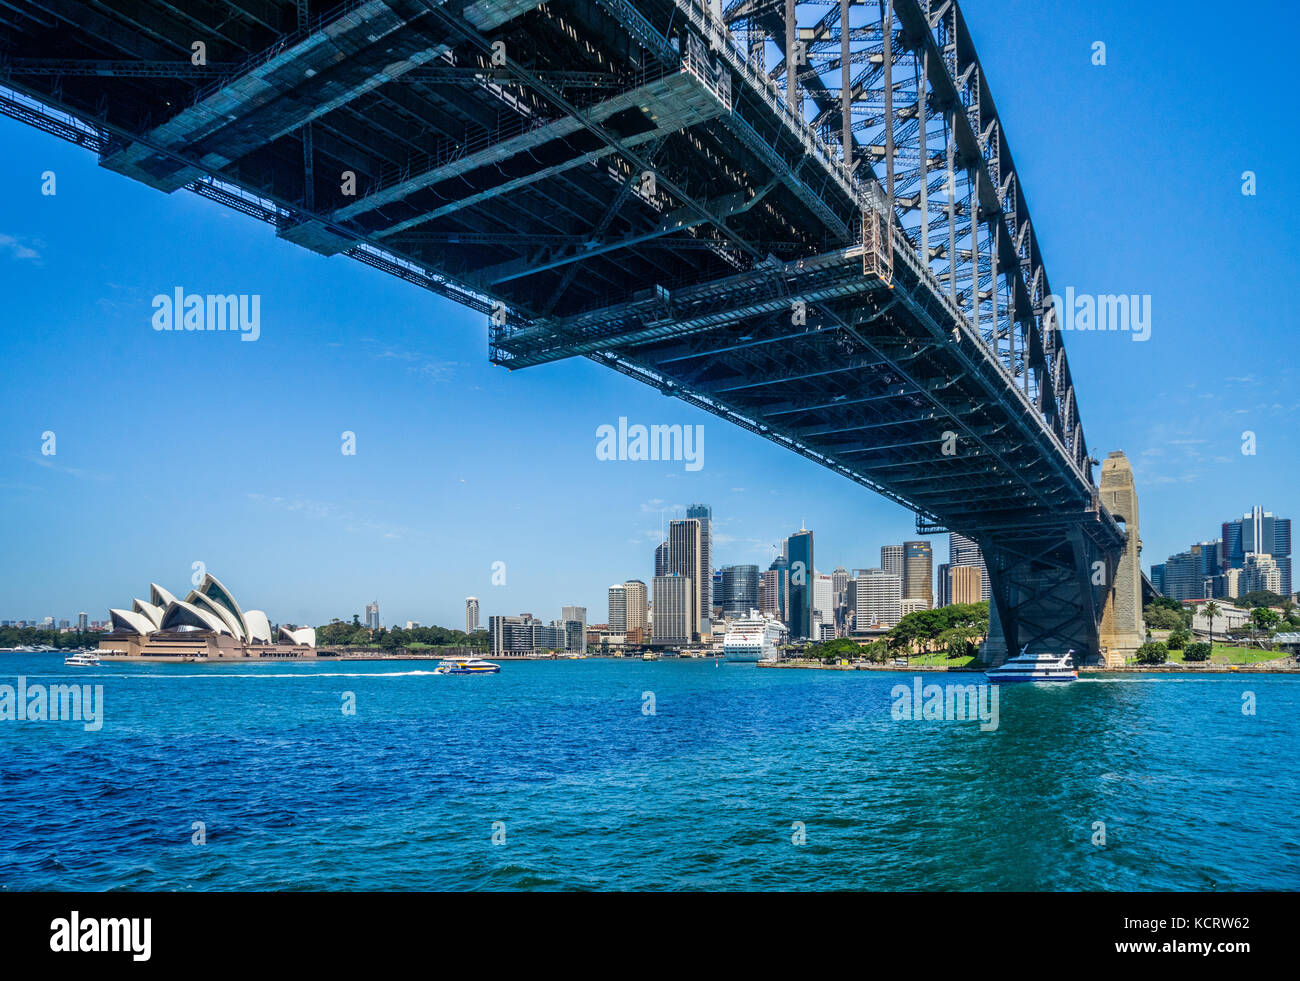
(177, 448)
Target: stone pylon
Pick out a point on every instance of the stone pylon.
(1121, 619)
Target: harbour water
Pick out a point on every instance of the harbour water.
(613, 774)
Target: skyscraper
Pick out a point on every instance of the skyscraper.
(1263, 533)
(575, 614)
(799, 547)
(963, 583)
(617, 609)
(891, 560)
(674, 602)
(685, 561)
(780, 571)
(962, 551)
(918, 572)
(634, 591)
(471, 614)
(661, 559)
(81, 622)
(823, 618)
(878, 599)
(739, 590)
(372, 615)
(704, 515)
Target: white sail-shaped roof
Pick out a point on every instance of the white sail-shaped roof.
(303, 636)
(154, 613)
(181, 614)
(131, 621)
(259, 627)
(212, 588)
(159, 597)
(206, 603)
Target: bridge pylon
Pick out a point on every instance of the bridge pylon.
(1066, 584)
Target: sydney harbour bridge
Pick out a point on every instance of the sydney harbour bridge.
(804, 218)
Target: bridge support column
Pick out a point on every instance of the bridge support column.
(1121, 621)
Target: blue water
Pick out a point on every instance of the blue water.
(594, 794)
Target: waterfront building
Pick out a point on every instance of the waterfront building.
(963, 551)
(685, 561)
(471, 614)
(739, 593)
(524, 635)
(799, 549)
(208, 623)
(704, 515)
(878, 599)
(81, 622)
(637, 601)
(372, 615)
(673, 602)
(918, 572)
(618, 608)
(769, 594)
(1187, 575)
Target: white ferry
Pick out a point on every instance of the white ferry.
(753, 638)
(82, 659)
(1034, 667)
(466, 665)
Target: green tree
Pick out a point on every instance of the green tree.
(1152, 653)
(1212, 610)
(1197, 652)
(1179, 638)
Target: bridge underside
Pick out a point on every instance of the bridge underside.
(813, 229)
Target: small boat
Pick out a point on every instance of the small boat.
(466, 665)
(1034, 667)
(82, 659)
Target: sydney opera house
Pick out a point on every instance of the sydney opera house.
(207, 624)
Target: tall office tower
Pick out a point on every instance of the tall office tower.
(800, 549)
(918, 572)
(372, 615)
(576, 614)
(943, 593)
(704, 515)
(891, 559)
(618, 609)
(661, 559)
(673, 604)
(739, 590)
(878, 599)
(840, 587)
(684, 561)
(1189, 575)
(963, 584)
(1263, 533)
(823, 605)
(81, 622)
(769, 594)
(635, 592)
(964, 551)
(471, 614)
(1158, 578)
(780, 567)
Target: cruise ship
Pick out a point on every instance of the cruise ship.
(753, 638)
(1034, 667)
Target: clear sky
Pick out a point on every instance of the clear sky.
(177, 448)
